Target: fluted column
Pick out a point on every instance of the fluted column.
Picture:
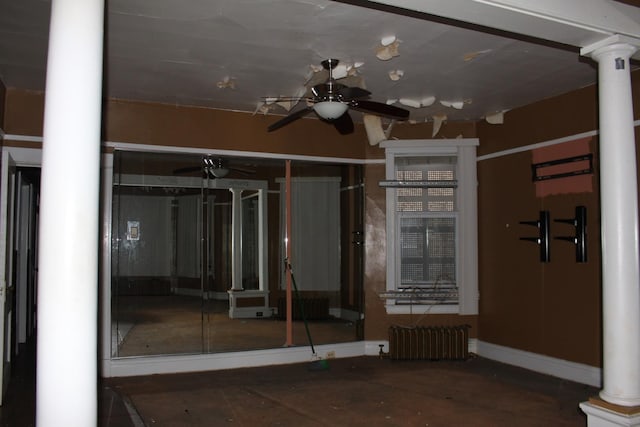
(619, 224)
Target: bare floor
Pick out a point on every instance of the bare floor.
(361, 391)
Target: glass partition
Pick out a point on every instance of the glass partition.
(198, 259)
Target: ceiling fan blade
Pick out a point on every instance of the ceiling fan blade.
(243, 170)
(187, 169)
(275, 99)
(349, 93)
(379, 108)
(320, 90)
(343, 124)
(290, 118)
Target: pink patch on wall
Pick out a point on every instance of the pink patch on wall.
(565, 185)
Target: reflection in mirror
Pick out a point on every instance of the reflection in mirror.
(198, 255)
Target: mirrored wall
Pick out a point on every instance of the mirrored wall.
(198, 253)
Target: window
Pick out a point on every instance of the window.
(431, 226)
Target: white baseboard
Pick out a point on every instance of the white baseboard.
(560, 368)
(134, 366)
(124, 367)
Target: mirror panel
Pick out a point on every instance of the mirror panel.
(197, 254)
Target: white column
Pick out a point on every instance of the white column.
(619, 225)
(66, 380)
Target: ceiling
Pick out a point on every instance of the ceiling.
(233, 55)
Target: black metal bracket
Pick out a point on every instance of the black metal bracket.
(580, 237)
(358, 238)
(543, 235)
(535, 168)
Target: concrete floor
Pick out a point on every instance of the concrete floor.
(361, 391)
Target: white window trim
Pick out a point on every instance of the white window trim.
(467, 226)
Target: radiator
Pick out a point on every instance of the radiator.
(429, 342)
(314, 308)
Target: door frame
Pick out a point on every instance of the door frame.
(12, 158)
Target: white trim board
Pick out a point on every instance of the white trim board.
(515, 150)
(214, 151)
(135, 366)
(205, 151)
(559, 368)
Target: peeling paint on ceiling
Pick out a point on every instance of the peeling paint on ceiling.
(234, 55)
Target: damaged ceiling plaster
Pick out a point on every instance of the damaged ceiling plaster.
(246, 55)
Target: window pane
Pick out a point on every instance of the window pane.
(434, 168)
(427, 250)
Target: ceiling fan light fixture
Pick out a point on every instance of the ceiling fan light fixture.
(330, 110)
(219, 172)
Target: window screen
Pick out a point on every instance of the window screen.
(427, 229)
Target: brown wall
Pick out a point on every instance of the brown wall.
(549, 308)
(24, 114)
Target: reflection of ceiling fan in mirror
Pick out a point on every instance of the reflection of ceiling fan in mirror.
(213, 167)
(331, 101)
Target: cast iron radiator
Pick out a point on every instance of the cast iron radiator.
(314, 308)
(429, 342)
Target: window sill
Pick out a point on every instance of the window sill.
(421, 309)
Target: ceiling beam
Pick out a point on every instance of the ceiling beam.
(577, 23)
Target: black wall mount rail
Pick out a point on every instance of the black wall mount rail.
(580, 238)
(543, 235)
(537, 176)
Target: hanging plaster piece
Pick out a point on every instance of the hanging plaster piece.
(495, 118)
(285, 104)
(409, 102)
(387, 131)
(453, 104)
(262, 107)
(315, 68)
(427, 101)
(340, 71)
(270, 101)
(227, 83)
(437, 123)
(385, 53)
(396, 75)
(386, 41)
(352, 71)
(373, 126)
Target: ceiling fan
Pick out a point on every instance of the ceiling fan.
(331, 100)
(213, 167)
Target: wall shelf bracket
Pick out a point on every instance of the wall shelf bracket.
(543, 235)
(580, 237)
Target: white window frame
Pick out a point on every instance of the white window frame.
(466, 229)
